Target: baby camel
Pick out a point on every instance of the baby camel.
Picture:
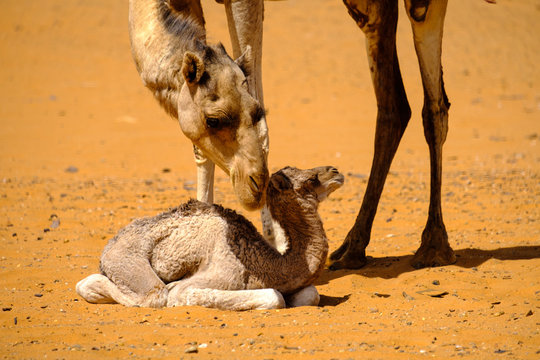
(200, 254)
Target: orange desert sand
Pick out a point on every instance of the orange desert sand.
(85, 149)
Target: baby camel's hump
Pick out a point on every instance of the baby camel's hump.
(174, 243)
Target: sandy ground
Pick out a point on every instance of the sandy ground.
(82, 142)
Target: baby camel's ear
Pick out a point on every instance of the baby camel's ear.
(280, 181)
(192, 68)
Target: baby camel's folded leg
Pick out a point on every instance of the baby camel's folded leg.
(98, 289)
(308, 296)
(134, 279)
(237, 300)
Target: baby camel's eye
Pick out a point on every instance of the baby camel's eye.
(314, 180)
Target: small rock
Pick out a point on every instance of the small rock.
(530, 313)
(191, 349)
(381, 295)
(433, 293)
(71, 169)
(55, 221)
(500, 351)
(6, 309)
(373, 310)
(436, 282)
(407, 296)
(38, 295)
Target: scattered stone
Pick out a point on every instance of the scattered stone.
(381, 295)
(530, 313)
(356, 175)
(407, 296)
(166, 170)
(72, 169)
(436, 282)
(500, 351)
(189, 185)
(291, 347)
(191, 349)
(38, 295)
(373, 310)
(55, 221)
(433, 293)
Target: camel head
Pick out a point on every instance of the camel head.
(315, 184)
(220, 116)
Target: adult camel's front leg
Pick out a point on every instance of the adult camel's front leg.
(245, 20)
(427, 19)
(205, 176)
(378, 20)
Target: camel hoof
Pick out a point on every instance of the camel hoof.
(433, 258)
(339, 252)
(348, 262)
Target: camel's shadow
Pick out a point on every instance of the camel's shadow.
(390, 267)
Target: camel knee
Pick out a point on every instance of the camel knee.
(308, 296)
(435, 120)
(270, 299)
(94, 290)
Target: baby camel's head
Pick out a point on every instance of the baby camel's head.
(291, 184)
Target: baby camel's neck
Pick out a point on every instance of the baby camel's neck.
(300, 238)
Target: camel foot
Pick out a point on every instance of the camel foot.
(349, 260)
(435, 249)
(428, 256)
(339, 252)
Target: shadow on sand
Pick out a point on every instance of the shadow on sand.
(392, 266)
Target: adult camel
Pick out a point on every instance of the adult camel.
(378, 20)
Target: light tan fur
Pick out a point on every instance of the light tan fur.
(200, 254)
(217, 101)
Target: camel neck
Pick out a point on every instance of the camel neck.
(307, 246)
(160, 35)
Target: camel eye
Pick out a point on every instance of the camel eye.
(314, 180)
(212, 123)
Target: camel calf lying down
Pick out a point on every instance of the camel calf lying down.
(200, 254)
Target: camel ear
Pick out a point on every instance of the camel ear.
(244, 61)
(192, 68)
(280, 181)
